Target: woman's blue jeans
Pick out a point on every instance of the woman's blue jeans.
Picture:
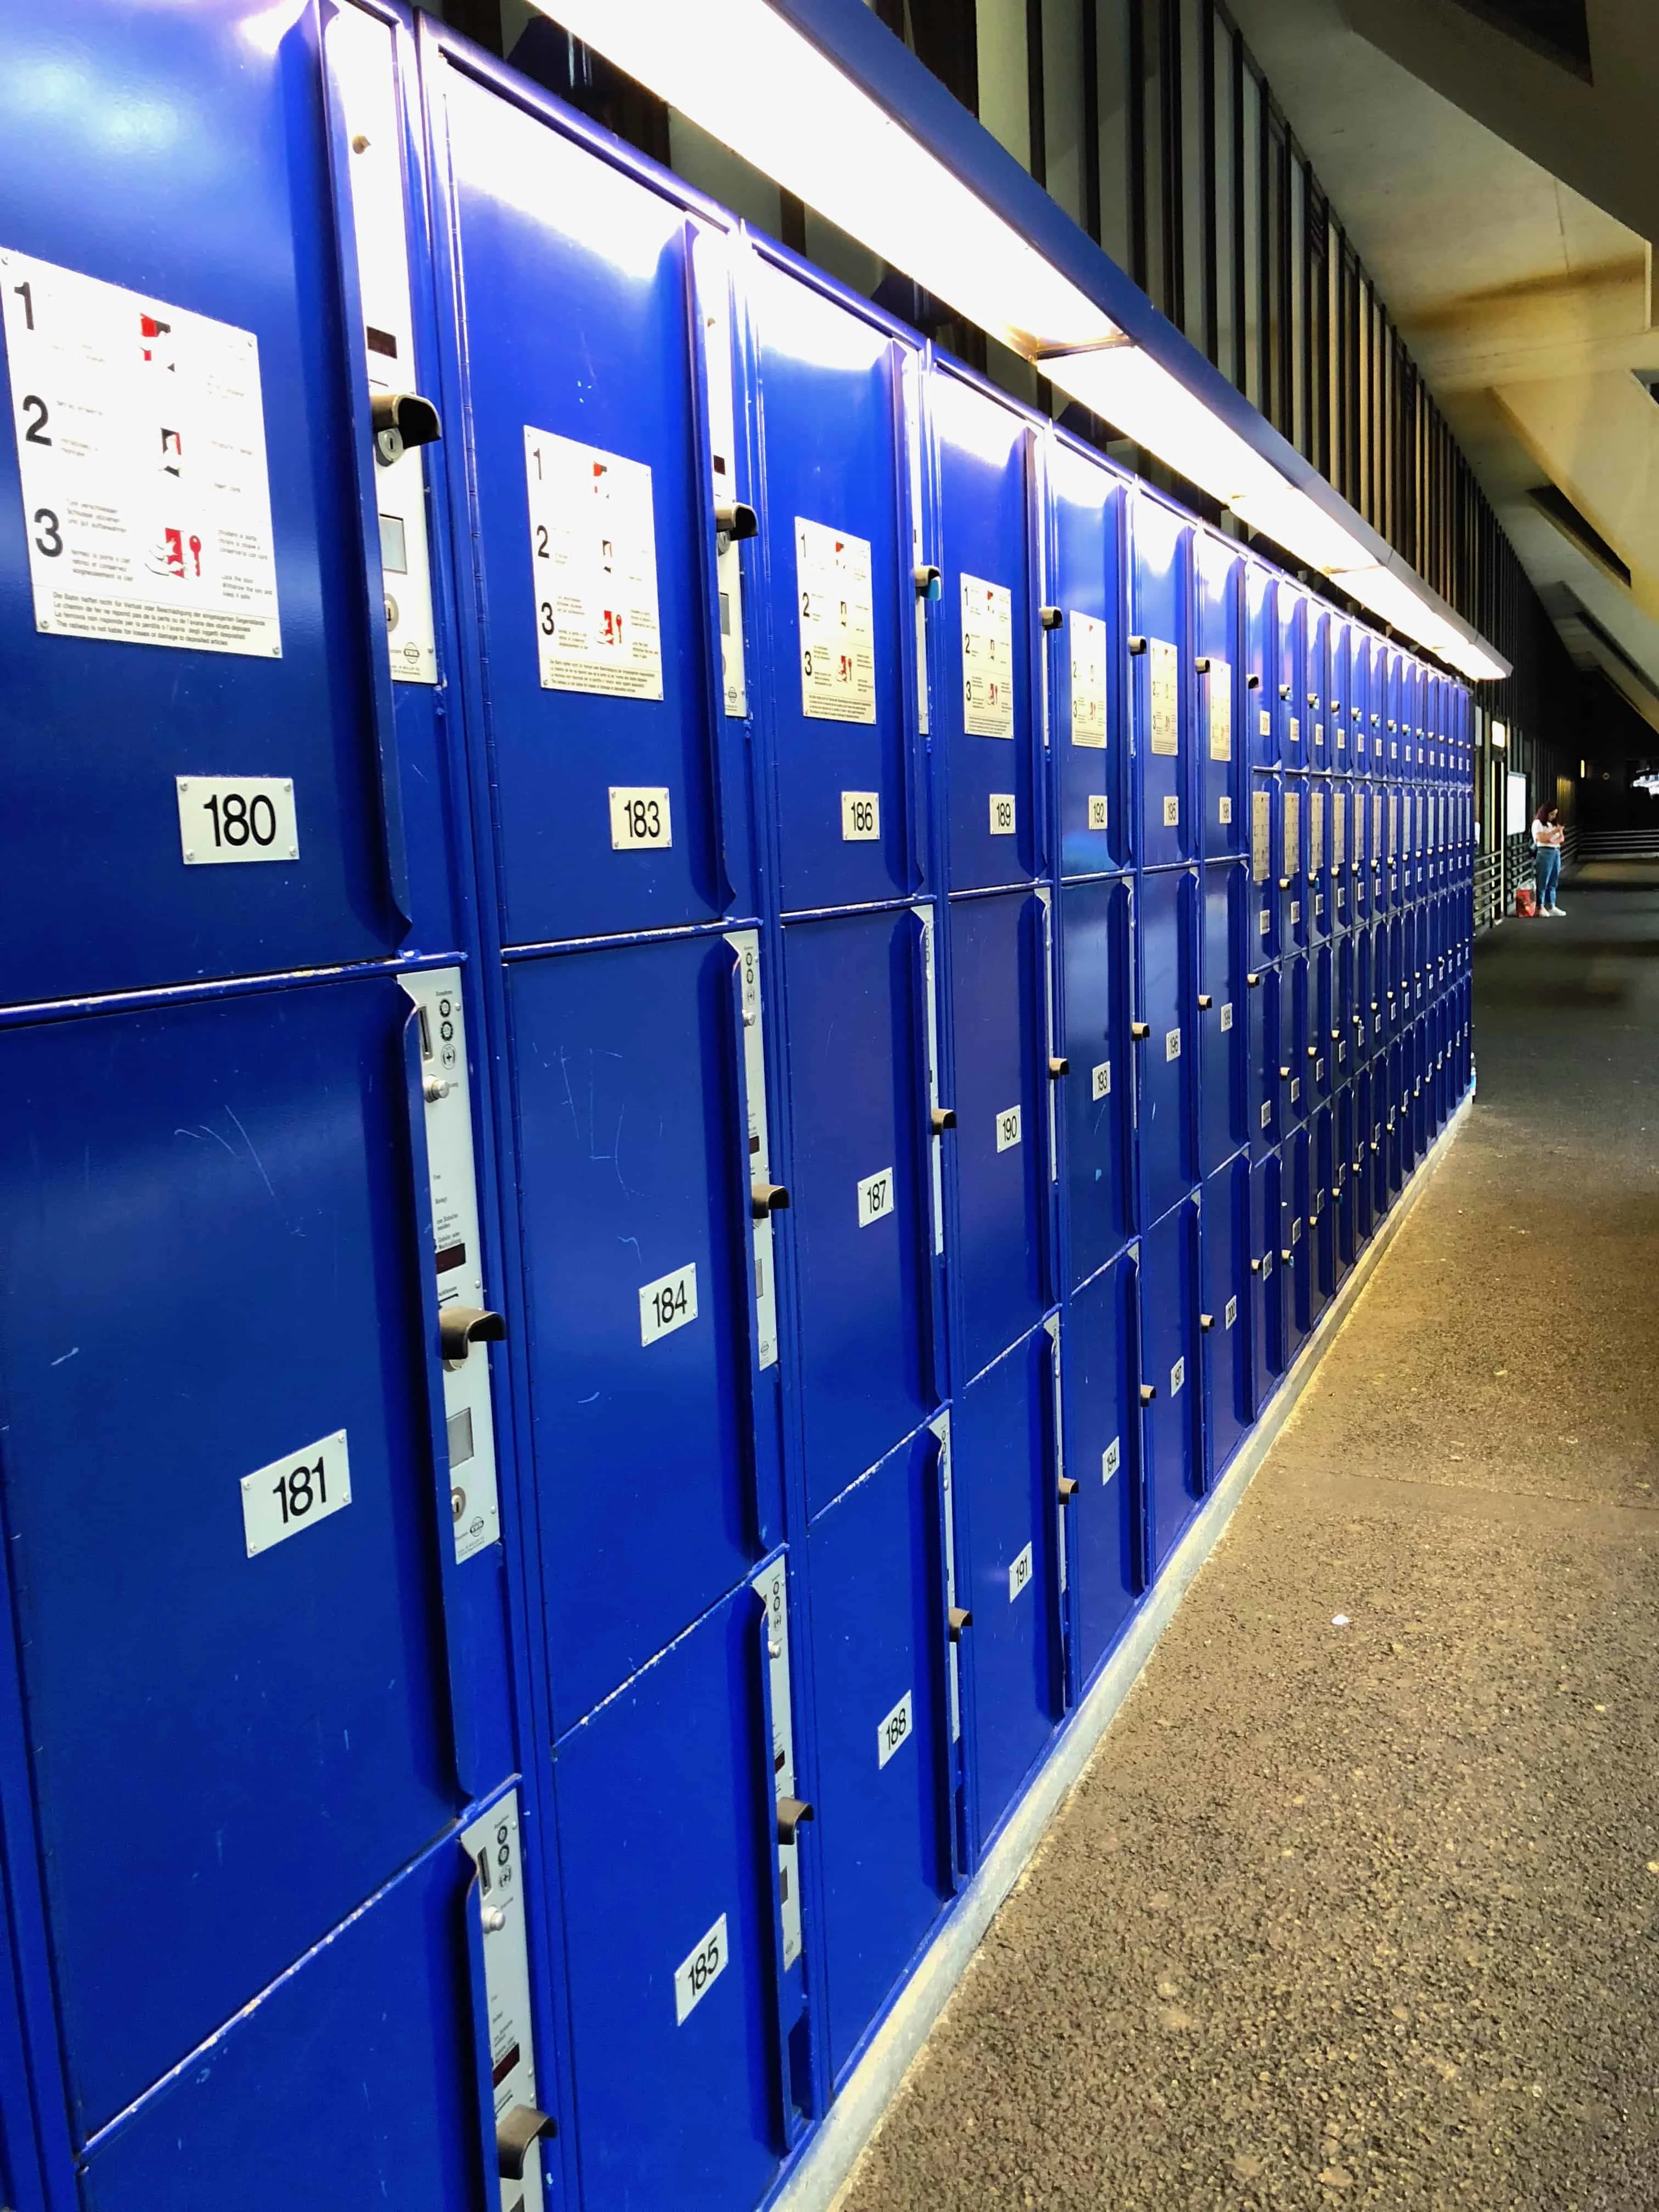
(1548, 873)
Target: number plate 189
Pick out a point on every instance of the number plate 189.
(227, 818)
(292, 1493)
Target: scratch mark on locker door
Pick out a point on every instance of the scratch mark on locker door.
(253, 1150)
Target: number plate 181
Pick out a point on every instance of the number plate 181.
(292, 1493)
(224, 819)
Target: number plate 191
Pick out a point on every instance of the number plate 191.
(227, 818)
(279, 1500)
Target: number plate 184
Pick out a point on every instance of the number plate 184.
(668, 1304)
(224, 819)
(291, 1493)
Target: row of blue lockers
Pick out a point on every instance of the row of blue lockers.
(692, 1017)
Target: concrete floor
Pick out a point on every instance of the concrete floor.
(1369, 1914)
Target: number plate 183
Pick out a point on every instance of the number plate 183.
(224, 819)
(292, 1493)
(639, 819)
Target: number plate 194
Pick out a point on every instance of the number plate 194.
(639, 819)
(226, 818)
(291, 1493)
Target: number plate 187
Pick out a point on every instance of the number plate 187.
(292, 1493)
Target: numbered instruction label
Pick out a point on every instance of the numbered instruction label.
(1221, 711)
(875, 1197)
(293, 1493)
(988, 659)
(228, 818)
(1164, 682)
(668, 1304)
(141, 448)
(593, 561)
(695, 1977)
(1008, 1129)
(895, 1730)
(837, 624)
(640, 820)
(1088, 636)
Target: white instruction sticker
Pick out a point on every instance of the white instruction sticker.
(1261, 835)
(1008, 1129)
(1019, 1574)
(668, 1304)
(640, 819)
(141, 448)
(834, 602)
(697, 1975)
(1267, 722)
(224, 819)
(1164, 687)
(593, 565)
(1002, 813)
(897, 1730)
(1293, 833)
(1100, 1080)
(1088, 636)
(875, 1198)
(291, 1494)
(988, 659)
(1316, 832)
(1221, 711)
(1295, 731)
(1096, 810)
(860, 817)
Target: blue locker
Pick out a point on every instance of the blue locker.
(618, 791)
(263, 659)
(1339, 703)
(1341, 854)
(1223, 1020)
(840, 595)
(1290, 650)
(1265, 932)
(1160, 678)
(1317, 674)
(1394, 1126)
(859, 1217)
(1267, 1276)
(1268, 1016)
(1087, 708)
(882, 1731)
(1105, 1518)
(1366, 996)
(1322, 918)
(1224, 1320)
(1262, 735)
(1296, 1064)
(1005, 1480)
(991, 833)
(1222, 741)
(1345, 1014)
(219, 1258)
(1359, 699)
(651, 1413)
(1166, 1005)
(1095, 932)
(1296, 897)
(675, 1942)
(1344, 1178)
(1377, 1146)
(1324, 1039)
(1322, 1206)
(1296, 1254)
(1000, 1101)
(1172, 1378)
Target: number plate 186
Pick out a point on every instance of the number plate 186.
(291, 1493)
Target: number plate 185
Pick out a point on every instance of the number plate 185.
(292, 1493)
(225, 818)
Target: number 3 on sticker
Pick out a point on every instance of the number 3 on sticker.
(668, 1304)
(640, 818)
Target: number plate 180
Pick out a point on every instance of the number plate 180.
(228, 819)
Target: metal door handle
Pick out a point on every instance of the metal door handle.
(1148, 1392)
(399, 420)
(734, 524)
(956, 1620)
(1203, 664)
(1067, 1488)
(944, 1118)
(1205, 1002)
(1140, 1029)
(459, 1328)
(1051, 617)
(1284, 1074)
(928, 580)
(766, 1198)
(793, 1812)
(1137, 645)
(515, 2131)
(1255, 1267)
(1251, 981)
(1252, 683)
(1058, 1066)
(1206, 1321)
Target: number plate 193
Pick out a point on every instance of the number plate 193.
(639, 819)
(279, 1500)
(227, 818)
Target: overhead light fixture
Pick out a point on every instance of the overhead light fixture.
(745, 73)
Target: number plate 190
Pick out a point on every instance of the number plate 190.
(227, 818)
(279, 1500)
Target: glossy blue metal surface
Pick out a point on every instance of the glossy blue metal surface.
(1223, 1029)
(1226, 1315)
(1087, 503)
(1266, 846)
(1291, 671)
(1264, 733)
(1160, 557)
(1296, 898)
(1095, 959)
(1223, 703)
(1263, 986)
(1170, 1367)
(1166, 1057)
(1268, 1216)
(1106, 1519)
(1295, 1066)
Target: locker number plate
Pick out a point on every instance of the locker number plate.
(1002, 813)
(1172, 1045)
(668, 1304)
(1230, 1315)
(895, 1730)
(1110, 1459)
(293, 1493)
(695, 1977)
(875, 1197)
(1177, 1377)
(1008, 1129)
(1100, 1080)
(1019, 1574)
(1227, 1015)
(1224, 810)
(1172, 814)
(1096, 810)
(224, 819)
(860, 817)
(640, 820)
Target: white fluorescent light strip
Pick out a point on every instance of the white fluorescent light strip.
(752, 80)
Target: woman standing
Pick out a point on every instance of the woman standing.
(1548, 838)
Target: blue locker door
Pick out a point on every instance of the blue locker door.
(674, 1946)
(1224, 1321)
(354, 2080)
(1342, 693)
(1296, 1254)
(1399, 1083)
(1267, 1276)
(1317, 674)
(1322, 1206)
(839, 590)
(1087, 707)
(1366, 995)
(1262, 988)
(882, 1731)
(217, 1291)
(1266, 851)
(987, 710)
(1382, 1114)
(1001, 1106)
(1296, 898)
(1343, 1014)
(592, 507)
(1339, 828)
(860, 1212)
(633, 1208)
(1005, 1479)
(1102, 1376)
(1291, 615)
(1161, 681)
(1322, 916)
(1346, 1181)
(1322, 1035)
(1098, 1091)
(1166, 962)
(1295, 1067)
(1222, 741)
(1222, 1024)
(183, 631)
(1260, 666)
(1362, 1163)
(1172, 1416)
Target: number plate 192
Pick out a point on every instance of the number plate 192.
(668, 1304)
(225, 818)
(292, 1493)
(639, 819)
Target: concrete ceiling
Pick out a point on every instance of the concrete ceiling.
(1513, 248)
